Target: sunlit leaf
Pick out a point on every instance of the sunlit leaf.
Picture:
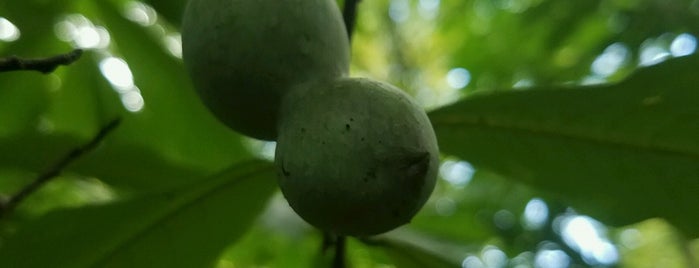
(622, 152)
(186, 227)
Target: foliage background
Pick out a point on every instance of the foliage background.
(172, 187)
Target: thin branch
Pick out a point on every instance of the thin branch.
(43, 65)
(339, 260)
(328, 242)
(57, 168)
(349, 13)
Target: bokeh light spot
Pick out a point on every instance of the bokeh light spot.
(119, 75)
(551, 258)
(399, 10)
(8, 31)
(653, 52)
(458, 78)
(140, 13)
(82, 32)
(472, 262)
(429, 8)
(132, 101)
(173, 43)
(535, 214)
(492, 256)
(683, 45)
(585, 235)
(457, 173)
(613, 58)
(117, 72)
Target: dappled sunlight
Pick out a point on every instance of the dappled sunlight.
(117, 72)
(489, 257)
(551, 258)
(472, 262)
(173, 44)
(8, 31)
(492, 256)
(70, 192)
(458, 78)
(683, 45)
(479, 57)
(259, 148)
(653, 51)
(611, 60)
(147, 17)
(82, 33)
(428, 9)
(536, 214)
(140, 13)
(457, 173)
(399, 10)
(119, 75)
(588, 237)
(132, 100)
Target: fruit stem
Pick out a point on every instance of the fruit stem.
(349, 13)
(339, 261)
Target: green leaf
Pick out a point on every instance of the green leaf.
(186, 227)
(413, 250)
(621, 152)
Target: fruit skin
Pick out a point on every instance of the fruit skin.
(243, 55)
(355, 156)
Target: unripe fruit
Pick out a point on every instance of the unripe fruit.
(243, 55)
(355, 156)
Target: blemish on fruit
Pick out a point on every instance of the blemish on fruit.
(285, 172)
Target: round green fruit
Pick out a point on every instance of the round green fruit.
(355, 156)
(244, 55)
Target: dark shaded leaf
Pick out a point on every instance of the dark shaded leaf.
(187, 227)
(413, 250)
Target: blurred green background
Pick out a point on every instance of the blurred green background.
(570, 136)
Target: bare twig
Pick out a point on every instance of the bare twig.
(339, 260)
(57, 168)
(43, 65)
(349, 13)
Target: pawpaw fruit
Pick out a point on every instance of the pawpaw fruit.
(244, 55)
(355, 156)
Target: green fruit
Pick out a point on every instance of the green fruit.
(355, 156)
(243, 55)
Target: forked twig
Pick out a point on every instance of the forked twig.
(43, 65)
(57, 168)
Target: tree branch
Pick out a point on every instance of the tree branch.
(43, 65)
(339, 260)
(349, 13)
(56, 169)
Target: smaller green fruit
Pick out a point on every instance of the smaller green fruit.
(244, 55)
(355, 156)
